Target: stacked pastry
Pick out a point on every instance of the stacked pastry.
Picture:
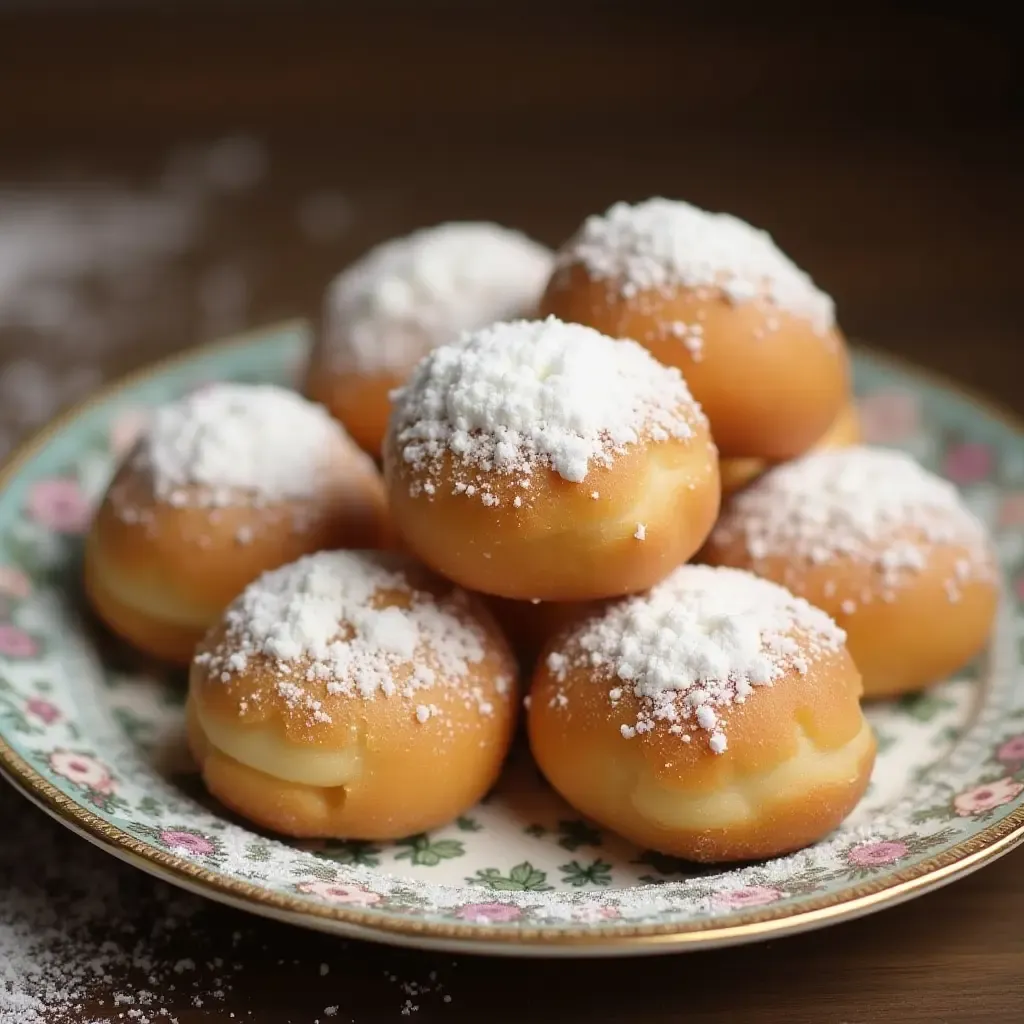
(633, 463)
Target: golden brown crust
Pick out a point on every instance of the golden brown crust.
(799, 758)
(844, 433)
(404, 772)
(360, 402)
(167, 641)
(769, 384)
(903, 637)
(405, 792)
(252, 697)
(160, 574)
(782, 828)
(562, 544)
(763, 731)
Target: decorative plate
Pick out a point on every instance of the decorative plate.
(93, 734)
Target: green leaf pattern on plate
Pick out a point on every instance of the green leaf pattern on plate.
(104, 727)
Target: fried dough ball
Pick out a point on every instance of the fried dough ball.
(223, 485)
(352, 695)
(716, 718)
(885, 547)
(406, 297)
(755, 339)
(538, 460)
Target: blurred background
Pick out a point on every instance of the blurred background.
(170, 173)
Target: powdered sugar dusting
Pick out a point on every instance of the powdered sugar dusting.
(525, 394)
(260, 439)
(695, 645)
(872, 505)
(327, 619)
(85, 940)
(78, 929)
(411, 294)
(662, 244)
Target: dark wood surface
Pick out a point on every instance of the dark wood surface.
(884, 154)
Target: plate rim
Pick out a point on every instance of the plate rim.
(989, 844)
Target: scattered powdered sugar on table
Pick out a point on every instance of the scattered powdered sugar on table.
(87, 268)
(515, 396)
(662, 245)
(266, 441)
(696, 644)
(79, 930)
(57, 250)
(85, 939)
(408, 295)
(74, 925)
(323, 619)
(48, 238)
(871, 505)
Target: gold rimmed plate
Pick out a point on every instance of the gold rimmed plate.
(94, 735)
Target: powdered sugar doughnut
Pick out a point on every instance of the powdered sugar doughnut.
(542, 460)
(715, 718)
(844, 432)
(405, 297)
(885, 547)
(352, 695)
(755, 339)
(223, 485)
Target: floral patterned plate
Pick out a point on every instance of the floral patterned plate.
(93, 734)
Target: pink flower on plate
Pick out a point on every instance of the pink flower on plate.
(335, 892)
(968, 463)
(1011, 510)
(59, 505)
(186, 842)
(13, 582)
(46, 712)
(889, 416)
(1012, 751)
(748, 896)
(489, 913)
(126, 430)
(873, 855)
(16, 643)
(594, 915)
(987, 797)
(83, 770)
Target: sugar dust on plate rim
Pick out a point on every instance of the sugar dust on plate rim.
(949, 796)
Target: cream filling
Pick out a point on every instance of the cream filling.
(263, 749)
(149, 601)
(748, 799)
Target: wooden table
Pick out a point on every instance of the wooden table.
(884, 156)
